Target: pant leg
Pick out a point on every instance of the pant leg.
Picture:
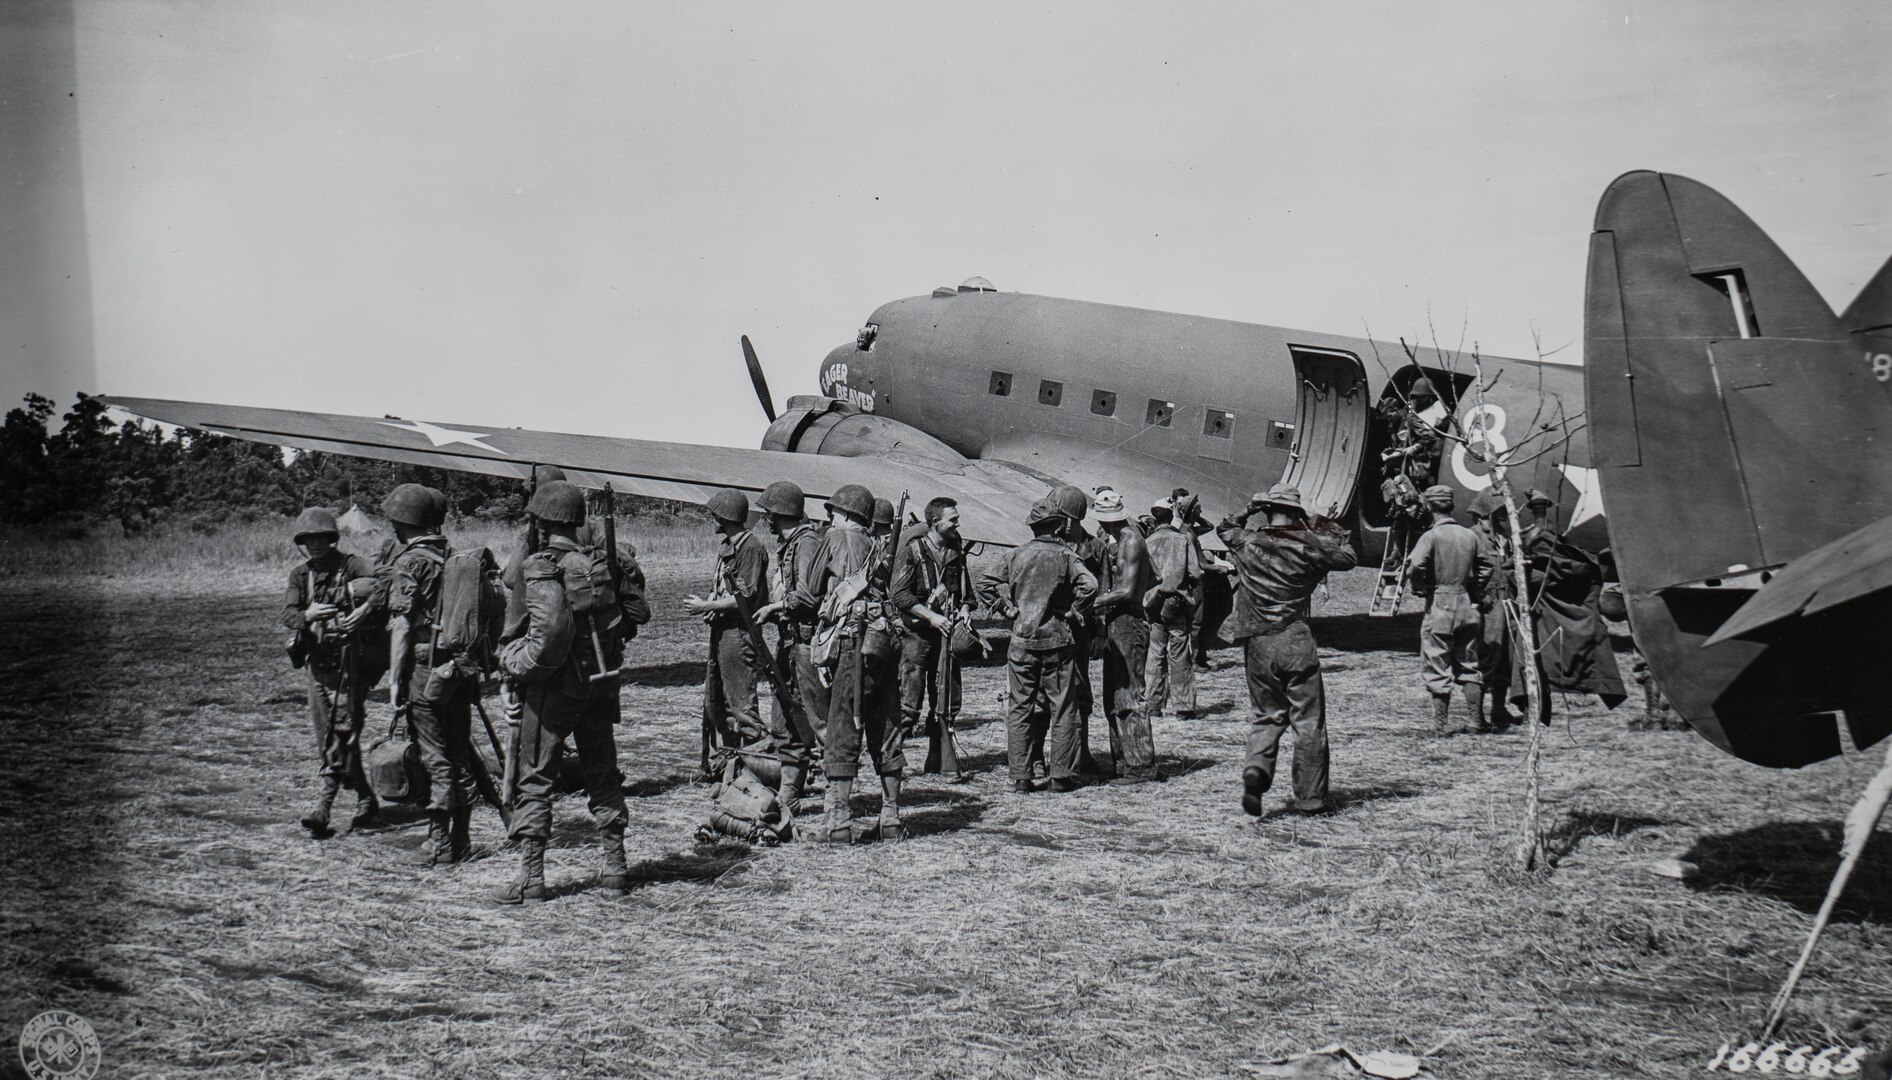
(324, 709)
(1467, 638)
(1058, 681)
(919, 666)
(347, 742)
(794, 729)
(814, 696)
(440, 730)
(1126, 649)
(885, 736)
(1022, 682)
(1297, 666)
(1155, 668)
(1270, 702)
(596, 741)
(549, 715)
(1181, 662)
(1435, 646)
(738, 665)
(842, 755)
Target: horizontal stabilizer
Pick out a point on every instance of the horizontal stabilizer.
(1857, 564)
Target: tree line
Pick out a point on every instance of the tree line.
(137, 475)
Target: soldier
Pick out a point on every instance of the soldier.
(1490, 521)
(1126, 577)
(931, 589)
(1539, 505)
(331, 595)
(883, 519)
(1170, 672)
(441, 725)
(1449, 566)
(1280, 560)
(1046, 590)
(801, 734)
(849, 585)
(574, 614)
(742, 577)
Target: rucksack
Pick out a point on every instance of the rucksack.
(469, 616)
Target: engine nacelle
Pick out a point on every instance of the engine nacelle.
(822, 425)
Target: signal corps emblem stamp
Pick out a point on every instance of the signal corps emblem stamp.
(58, 1045)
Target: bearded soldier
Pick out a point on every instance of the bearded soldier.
(931, 590)
(440, 724)
(1126, 577)
(331, 595)
(742, 581)
(800, 732)
(849, 586)
(1280, 557)
(1046, 590)
(1450, 566)
(565, 663)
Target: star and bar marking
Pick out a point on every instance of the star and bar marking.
(442, 436)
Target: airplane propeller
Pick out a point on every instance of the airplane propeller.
(756, 378)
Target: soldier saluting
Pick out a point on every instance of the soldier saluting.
(330, 595)
(441, 725)
(565, 662)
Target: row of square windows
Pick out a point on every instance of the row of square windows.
(1219, 423)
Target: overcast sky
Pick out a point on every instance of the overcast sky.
(562, 216)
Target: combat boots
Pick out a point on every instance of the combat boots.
(459, 834)
(529, 886)
(790, 791)
(890, 827)
(1474, 698)
(316, 820)
(840, 828)
(613, 875)
(439, 848)
(1441, 714)
(366, 810)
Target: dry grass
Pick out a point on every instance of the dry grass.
(158, 886)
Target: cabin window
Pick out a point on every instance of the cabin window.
(1218, 423)
(1733, 285)
(1160, 413)
(1104, 402)
(1280, 435)
(1001, 384)
(1050, 393)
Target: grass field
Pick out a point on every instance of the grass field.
(157, 884)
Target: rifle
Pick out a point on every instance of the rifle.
(942, 756)
(606, 673)
(482, 778)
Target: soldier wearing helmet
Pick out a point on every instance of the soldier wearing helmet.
(332, 607)
(1450, 567)
(849, 587)
(1280, 557)
(1537, 524)
(1126, 576)
(741, 584)
(932, 591)
(440, 725)
(564, 661)
(1047, 591)
(801, 733)
(883, 518)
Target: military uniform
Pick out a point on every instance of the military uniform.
(1048, 590)
(1169, 674)
(729, 691)
(551, 663)
(1450, 567)
(923, 568)
(1278, 568)
(337, 668)
(1126, 576)
(843, 552)
(1494, 638)
(441, 726)
(801, 738)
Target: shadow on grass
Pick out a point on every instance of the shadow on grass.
(944, 815)
(649, 787)
(678, 673)
(1580, 825)
(1367, 633)
(1793, 861)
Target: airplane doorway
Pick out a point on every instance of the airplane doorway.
(1331, 429)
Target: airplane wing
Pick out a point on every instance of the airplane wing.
(1857, 564)
(993, 495)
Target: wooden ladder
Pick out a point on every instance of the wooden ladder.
(1391, 587)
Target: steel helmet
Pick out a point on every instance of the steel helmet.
(854, 501)
(545, 474)
(315, 520)
(783, 497)
(729, 505)
(1422, 387)
(1071, 501)
(415, 505)
(558, 502)
(883, 512)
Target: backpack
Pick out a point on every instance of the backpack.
(597, 606)
(469, 616)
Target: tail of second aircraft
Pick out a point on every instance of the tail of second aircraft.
(1741, 430)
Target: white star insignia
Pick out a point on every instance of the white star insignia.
(1589, 496)
(441, 436)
